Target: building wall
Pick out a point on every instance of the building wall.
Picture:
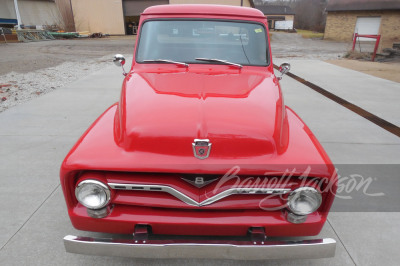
(39, 13)
(340, 26)
(215, 2)
(7, 9)
(107, 16)
(390, 29)
(98, 16)
(65, 8)
(32, 12)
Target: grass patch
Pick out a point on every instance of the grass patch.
(310, 34)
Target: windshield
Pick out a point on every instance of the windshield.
(185, 40)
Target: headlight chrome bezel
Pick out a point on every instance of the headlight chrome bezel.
(297, 192)
(100, 185)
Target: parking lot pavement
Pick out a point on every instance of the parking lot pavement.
(291, 45)
(370, 238)
(34, 139)
(360, 141)
(376, 95)
(37, 135)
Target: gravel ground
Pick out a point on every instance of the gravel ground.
(17, 87)
(28, 70)
(291, 45)
(27, 57)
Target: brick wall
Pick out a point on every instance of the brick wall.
(390, 29)
(289, 17)
(340, 26)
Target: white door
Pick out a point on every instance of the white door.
(367, 25)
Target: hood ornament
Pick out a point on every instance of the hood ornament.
(201, 148)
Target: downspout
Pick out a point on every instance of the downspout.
(17, 13)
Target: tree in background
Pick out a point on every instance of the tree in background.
(310, 14)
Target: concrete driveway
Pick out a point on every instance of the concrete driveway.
(36, 136)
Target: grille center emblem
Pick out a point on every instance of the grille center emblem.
(198, 181)
(201, 148)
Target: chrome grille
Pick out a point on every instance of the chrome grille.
(188, 200)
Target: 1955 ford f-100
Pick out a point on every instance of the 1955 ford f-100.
(200, 157)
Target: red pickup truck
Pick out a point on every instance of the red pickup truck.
(200, 158)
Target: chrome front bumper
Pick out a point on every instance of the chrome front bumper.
(236, 250)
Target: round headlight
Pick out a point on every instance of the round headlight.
(92, 194)
(304, 200)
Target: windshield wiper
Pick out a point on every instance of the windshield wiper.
(220, 61)
(167, 61)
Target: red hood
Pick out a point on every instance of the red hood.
(239, 111)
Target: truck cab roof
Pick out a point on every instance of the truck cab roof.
(195, 9)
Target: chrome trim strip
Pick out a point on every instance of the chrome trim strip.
(155, 188)
(192, 202)
(236, 191)
(235, 250)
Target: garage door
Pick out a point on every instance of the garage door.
(136, 7)
(367, 25)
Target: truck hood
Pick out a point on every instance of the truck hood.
(241, 112)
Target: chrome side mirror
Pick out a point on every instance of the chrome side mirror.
(119, 60)
(284, 68)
